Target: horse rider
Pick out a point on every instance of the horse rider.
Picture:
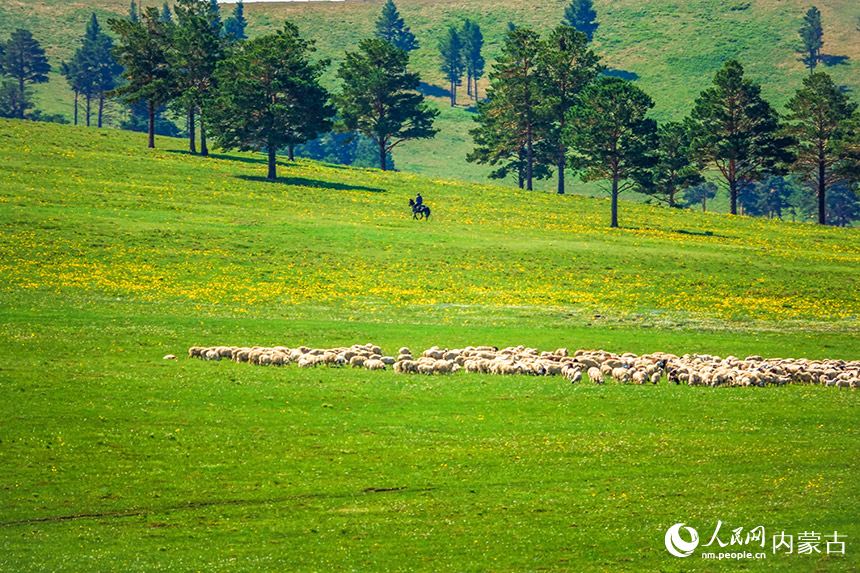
(419, 200)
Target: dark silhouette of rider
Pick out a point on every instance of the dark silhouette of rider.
(419, 200)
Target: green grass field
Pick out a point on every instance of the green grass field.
(674, 48)
(112, 256)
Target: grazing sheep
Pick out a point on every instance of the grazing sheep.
(374, 364)
(595, 375)
(196, 352)
(357, 361)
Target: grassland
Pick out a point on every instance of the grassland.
(673, 48)
(112, 256)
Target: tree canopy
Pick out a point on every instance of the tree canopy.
(142, 50)
(610, 134)
(820, 122)
(379, 98)
(811, 38)
(391, 28)
(736, 131)
(269, 96)
(23, 60)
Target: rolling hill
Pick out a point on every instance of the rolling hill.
(671, 48)
(113, 256)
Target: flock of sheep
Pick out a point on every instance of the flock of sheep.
(597, 366)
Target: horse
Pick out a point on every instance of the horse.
(419, 211)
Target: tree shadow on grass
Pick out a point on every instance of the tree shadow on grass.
(302, 182)
(432, 91)
(830, 61)
(261, 160)
(623, 74)
(710, 234)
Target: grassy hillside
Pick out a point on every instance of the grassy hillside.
(112, 256)
(673, 48)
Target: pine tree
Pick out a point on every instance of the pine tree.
(451, 60)
(700, 194)
(674, 169)
(269, 96)
(735, 130)
(580, 15)
(142, 51)
(515, 81)
(513, 127)
(611, 136)
(379, 97)
(565, 67)
(820, 121)
(391, 28)
(473, 42)
(811, 37)
(236, 24)
(24, 61)
(197, 47)
(134, 12)
(165, 13)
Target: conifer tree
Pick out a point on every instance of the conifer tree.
(143, 52)
(236, 24)
(674, 169)
(269, 96)
(134, 12)
(379, 97)
(473, 44)
(611, 136)
(735, 130)
(513, 126)
(197, 47)
(565, 66)
(165, 13)
(451, 60)
(391, 28)
(812, 38)
(24, 61)
(820, 121)
(580, 15)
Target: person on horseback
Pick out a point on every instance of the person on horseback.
(419, 200)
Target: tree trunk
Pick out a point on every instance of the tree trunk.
(101, 107)
(671, 198)
(21, 91)
(704, 204)
(204, 149)
(273, 173)
(822, 190)
(76, 107)
(89, 98)
(520, 169)
(192, 136)
(291, 151)
(614, 222)
(562, 157)
(468, 83)
(151, 125)
(453, 94)
(382, 155)
(529, 159)
(733, 192)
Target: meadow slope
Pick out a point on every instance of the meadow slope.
(112, 256)
(672, 48)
